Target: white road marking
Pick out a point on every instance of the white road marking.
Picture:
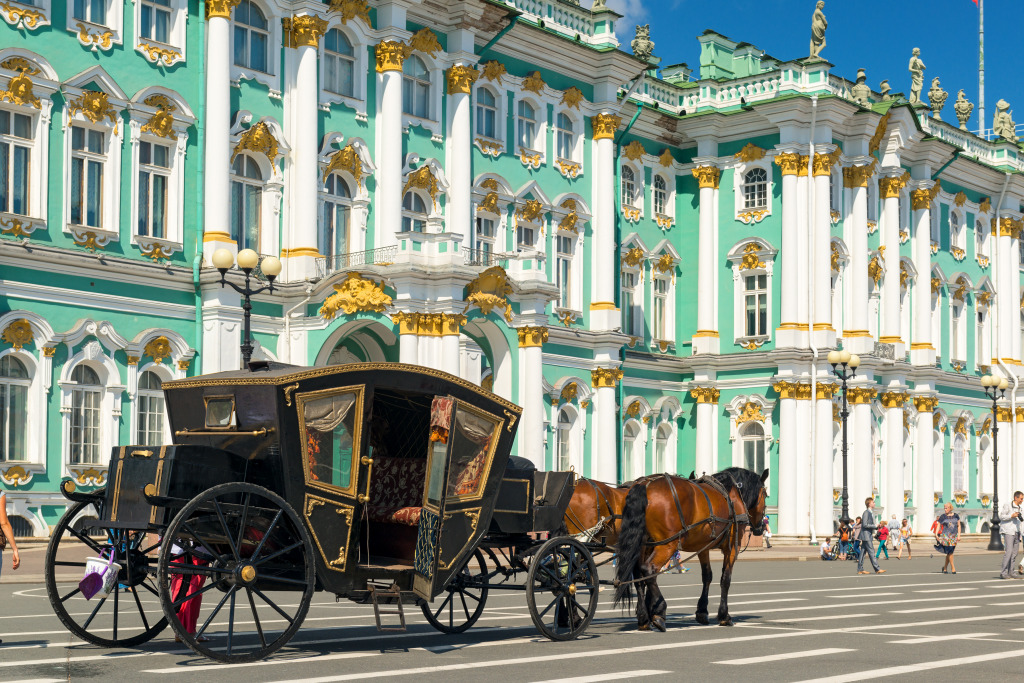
(863, 604)
(932, 609)
(39, 680)
(943, 638)
(1005, 604)
(617, 676)
(784, 656)
(869, 595)
(940, 663)
(827, 617)
(947, 590)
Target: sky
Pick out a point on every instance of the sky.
(877, 35)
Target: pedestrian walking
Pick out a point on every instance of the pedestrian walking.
(867, 527)
(7, 537)
(767, 535)
(947, 536)
(905, 532)
(894, 536)
(1010, 528)
(882, 536)
(856, 538)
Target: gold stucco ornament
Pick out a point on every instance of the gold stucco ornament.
(159, 348)
(162, 122)
(19, 91)
(257, 138)
(18, 333)
(488, 290)
(355, 294)
(350, 9)
(346, 159)
(94, 106)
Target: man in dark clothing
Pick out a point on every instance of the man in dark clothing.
(867, 529)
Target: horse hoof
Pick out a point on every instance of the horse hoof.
(659, 623)
(701, 619)
(644, 627)
(725, 622)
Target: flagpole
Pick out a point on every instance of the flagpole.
(981, 68)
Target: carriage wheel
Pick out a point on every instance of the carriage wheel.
(124, 618)
(249, 545)
(562, 588)
(456, 613)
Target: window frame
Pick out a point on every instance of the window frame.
(530, 142)
(269, 78)
(327, 197)
(637, 186)
(497, 145)
(160, 372)
(170, 51)
(573, 134)
(14, 142)
(752, 215)
(636, 296)
(410, 213)
(26, 420)
(765, 266)
(957, 233)
(246, 181)
(959, 439)
(93, 35)
(571, 297)
(637, 451)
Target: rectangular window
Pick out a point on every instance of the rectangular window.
(93, 11)
(563, 267)
(525, 237)
(629, 303)
(753, 454)
(245, 214)
(155, 20)
(87, 162)
(416, 97)
(335, 234)
(483, 241)
(151, 420)
(755, 305)
(13, 411)
(565, 143)
(85, 426)
(486, 115)
(154, 176)
(661, 308)
(15, 161)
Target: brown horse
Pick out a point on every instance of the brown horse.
(596, 506)
(665, 514)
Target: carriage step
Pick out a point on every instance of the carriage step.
(387, 595)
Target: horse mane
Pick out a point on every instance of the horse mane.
(748, 483)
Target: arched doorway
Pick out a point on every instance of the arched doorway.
(496, 358)
(359, 341)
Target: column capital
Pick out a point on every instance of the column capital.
(1019, 415)
(826, 391)
(893, 399)
(926, 404)
(889, 187)
(303, 31)
(532, 336)
(605, 377)
(1010, 227)
(391, 55)
(823, 163)
(785, 389)
(861, 395)
(451, 324)
(220, 8)
(705, 394)
(605, 125)
(707, 176)
(408, 323)
(857, 176)
(461, 79)
(921, 198)
(789, 163)
(1003, 414)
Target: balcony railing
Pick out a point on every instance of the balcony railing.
(478, 257)
(326, 265)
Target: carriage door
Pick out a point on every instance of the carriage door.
(331, 429)
(462, 444)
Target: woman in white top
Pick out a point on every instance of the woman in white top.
(894, 534)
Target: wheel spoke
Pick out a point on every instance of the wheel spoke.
(215, 612)
(151, 589)
(95, 610)
(150, 548)
(282, 551)
(68, 564)
(177, 603)
(85, 539)
(277, 609)
(196, 570)
(550, 605)
(70, 595)
(470, 595)
(117, 594)
(231, 618)
(283, 579)
(437, 614)
(142, 613)
(227, 532)
(451, 611)
(256, 617)
(187, 527)
(270, 529)
(465, 608)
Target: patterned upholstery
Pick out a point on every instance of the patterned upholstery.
(396, 489)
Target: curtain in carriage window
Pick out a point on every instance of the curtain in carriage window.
(330, 427)
(473, 441)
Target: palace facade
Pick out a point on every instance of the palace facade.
(653, 262)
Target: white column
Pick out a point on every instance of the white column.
(388, 200)
(1006, 275)
(217, 123)
(892, 494)
(922, 351)
(924, 471)
(803, 252)
(603, 313)
(460, 138)
(707, 404)
(821, 251)
(1006, 485)
(803, 460)
(860, 450)
(451, 352)
(788, 333)
(824, 450)
(1017, 461)
(408, 337)
(857, 338)
(705, 339)
(531, 394)
(604, 464)
(1013, 320)
(889, 333)
(787, 475)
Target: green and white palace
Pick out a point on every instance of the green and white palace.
(653, 262)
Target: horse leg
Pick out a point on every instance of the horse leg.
(729, 553)
(705, 575)
(656, 605)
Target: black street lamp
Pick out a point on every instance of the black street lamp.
(849, 363)
(248, 259)
(995, 388)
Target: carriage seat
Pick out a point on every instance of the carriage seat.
(396, 490)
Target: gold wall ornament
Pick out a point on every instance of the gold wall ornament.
(752, 344)
(134, 360)
(15, 227)
(605, 377)
(569, 169)
(604, 126)
(491, 148)
(958, 253)
(87, 240)
(532, 336)
(534, 83)
(390, 55)
(529, 159)
(960, 293)
(633, 257)
(785, 389)
(220, 8)
(422, 179)
(20, 64)
(490, 289)
(857, 176)
(634, 409)
(666, 159)
(751, 259)
(18, 333)
(162, 122)
(789, 163)
(707, 176)
(926, 404)
(634, 150)
(49, 351)
(157, 54)
(705, 394)
(16, 475)
(986, 427)
(876, 140)
(90, 476)
(572, 97)
(16, 14)
(936, 285)
(961, 424)
(985, 206)
(960, 198)
(426, 41)
(258, 138)
(823, 163)
(893, 399)
(304, 30)
(751, 412)
(569, 391)
(834, 258)
(530, 212)
(354, 294)
(890, 187)
(158, 348)
(664, 222)
(566, 317)
(489, 204)
(750, 152)
(19, 91)
(156, 251)
(493, 71)
(752, 216)
(461, 79)
(904, 275)
(94, 106)
(184, 364)
(983, 298)
(665, 263)
(100, 39)
(345, 159)
(351, 9)
(631, 213)
(569, 222)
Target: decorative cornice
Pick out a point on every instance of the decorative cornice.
(532, 336)
(303, 31)
(604, 126)
(707, 176)
(461, 79)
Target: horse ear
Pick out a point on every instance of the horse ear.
(764, 476)
(693, 474)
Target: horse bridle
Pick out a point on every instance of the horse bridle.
(758, 529)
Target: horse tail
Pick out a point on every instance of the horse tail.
(632, 534)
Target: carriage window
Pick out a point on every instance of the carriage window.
(330, 438)
(436, 477)
(473, 441)
(220, 413)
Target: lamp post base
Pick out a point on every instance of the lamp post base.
(996, 541)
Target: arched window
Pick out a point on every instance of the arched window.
(339, 64)
(85, 416)
(563, 456)
(630, 432)
(660, 194)
(752, 436)
(483, 240)
(246, 202)
(628, 186)
(252, 36)
(414, 213)
(151, 410)
(486, 114)
(14, 381)
(527, 122)
(15, 159)
(661, 443)
(959, 463)
(981, 239)
(337, 206)
(755, 189)
(415, 88)
(565, 140)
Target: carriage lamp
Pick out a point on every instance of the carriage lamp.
(248, 260)
(849, 362)
(995, 388)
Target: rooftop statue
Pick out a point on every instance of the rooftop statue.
(937, 96)
(818, 25)
(917, 68)
(884, 88)
(1002, 123)
(861, 92)
(963, 109)
(598, 4)
(643, 46)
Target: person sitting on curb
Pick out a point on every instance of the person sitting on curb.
(826, 549)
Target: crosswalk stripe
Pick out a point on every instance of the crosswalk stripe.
(932, 609)
(943, 638)
(939, 663)
(781, 656)
(616, 676)
(826, 617)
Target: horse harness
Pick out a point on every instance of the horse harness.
(712, 520)
(602, 521)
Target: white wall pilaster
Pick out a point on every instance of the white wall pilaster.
(823, 455)
(924, 466)
(604, 464)
(604, 315)
(821, 251)
(889, 189)
(787, 477)
(857, 337)
(531, 394)
(706, 338)
(922, 350)
(217, 121)
(892, 491)
(788, 333)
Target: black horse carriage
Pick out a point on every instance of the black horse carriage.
(383, 483)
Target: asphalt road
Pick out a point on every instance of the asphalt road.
(795, 621)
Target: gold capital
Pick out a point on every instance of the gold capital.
(605, 377)
(705, 394)
(391, 54)
(921, 199)
(857, 176)
(788, 162)
(893, 399)
(604, 126)
(1008, 227)
(826, 391)
(861, 395)
(823, 163)
(890, 186)
(303, 31)
(408, 323)
(1002, 414)
(707, 176)
(451, 324)
(926, 404)
(785, 389)
(220, 8)
(532, 336)
(461, 79)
